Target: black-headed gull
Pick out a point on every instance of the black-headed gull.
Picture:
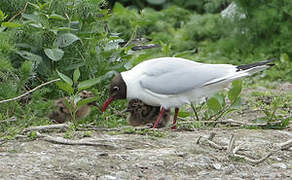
(172, 82)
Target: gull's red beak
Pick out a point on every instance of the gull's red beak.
(106, 103)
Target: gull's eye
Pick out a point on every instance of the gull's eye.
(116, 88)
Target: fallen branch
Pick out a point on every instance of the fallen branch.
(11, 119)
(210, 142)
(250, 160)
(233, 123)
(233, 151)
(46, 127)
(60, 140)
(98, 129)
(285, 145)
(231, 144)
(149, 126)
(30, 91)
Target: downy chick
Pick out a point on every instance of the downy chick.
(63, 114)
(142, 114)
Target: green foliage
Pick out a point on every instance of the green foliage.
(202, 27)
(26, 72)
(276, 109)
(82, 39)
(220, 105)
(203, 6)
(73, 88)
(147, 132)
(32, 135)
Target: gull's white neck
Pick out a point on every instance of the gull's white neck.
(131, 79)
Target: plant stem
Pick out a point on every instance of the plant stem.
(195, 111)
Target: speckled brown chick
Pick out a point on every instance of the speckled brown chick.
(143, 114)
(63, 114)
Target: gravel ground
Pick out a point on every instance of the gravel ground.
(174, 156)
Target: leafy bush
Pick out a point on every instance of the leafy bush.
(51, 35)
(203, 6)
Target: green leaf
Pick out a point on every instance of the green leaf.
(43, 5)
(76, 99)
(76, 75)
(54, 54)
(11, 25)
(2, 29)
(221, 99)
(62, 29)
(56, 16)
(36, 25)
(65, 40)
(156, 2)
(88, 83)
(32, 17)
(284, 58)
(86, 101)
(119, 8)
(3, 16)
(214, 104)
(74, 66)
(30, 56)
(183, 114)
(65, 87)
(237, 103)
(234, 92)
(285, 122)
(65, 78)
(69, 105)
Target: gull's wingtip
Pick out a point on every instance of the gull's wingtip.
(260, 63)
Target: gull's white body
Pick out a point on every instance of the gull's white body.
(172, 82)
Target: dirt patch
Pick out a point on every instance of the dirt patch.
(175, 156)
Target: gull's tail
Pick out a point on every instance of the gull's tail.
(243, 71)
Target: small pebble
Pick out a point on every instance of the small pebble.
(279, 165)
(217, 166)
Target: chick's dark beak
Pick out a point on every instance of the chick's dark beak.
(94, 103)
(106, 103)
(127, 110)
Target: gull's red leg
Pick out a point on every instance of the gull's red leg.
(174, 119)
(159, 117)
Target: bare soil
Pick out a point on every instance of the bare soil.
(175, 156)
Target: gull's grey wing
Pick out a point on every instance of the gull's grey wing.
(175, 77)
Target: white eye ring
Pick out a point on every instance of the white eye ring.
(116, 88)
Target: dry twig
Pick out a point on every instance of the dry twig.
(11, 119)
(28, 92)
(210, 141)
(250, 160)
(20, 12)
(47, 127)
(231, 144)
(233, 151)
(232, 122)
(285, 145)
(60, 140)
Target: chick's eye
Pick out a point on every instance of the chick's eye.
(116, 88)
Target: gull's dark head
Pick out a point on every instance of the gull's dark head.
(118, 90)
